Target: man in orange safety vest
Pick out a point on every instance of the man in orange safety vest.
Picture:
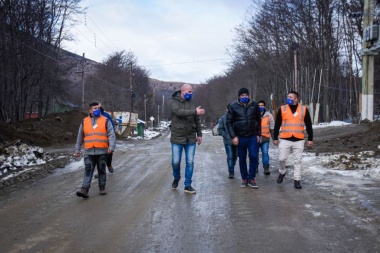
(97, 135)
(292, 118)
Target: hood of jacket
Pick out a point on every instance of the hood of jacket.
(177, 96)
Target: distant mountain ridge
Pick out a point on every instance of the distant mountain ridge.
(158, 85)
(167, 88)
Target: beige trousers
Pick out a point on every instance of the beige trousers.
(291, 147)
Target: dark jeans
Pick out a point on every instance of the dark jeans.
(231, 151)
(250, 145)
(90, 162)
(109, 159)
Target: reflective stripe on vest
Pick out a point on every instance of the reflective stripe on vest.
(98, 137)
(293, 125)
(265, 126)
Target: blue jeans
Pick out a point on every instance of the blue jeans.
(248, 144)
(176, 161)
(264, 153)
(90, 161)
(231, 152)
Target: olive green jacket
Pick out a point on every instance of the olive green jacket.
(185, 121)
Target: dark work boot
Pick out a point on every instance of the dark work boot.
(102, 190)
(175, 184)
(266, 170)
(83, 193)
(297, 184)
(280, 178)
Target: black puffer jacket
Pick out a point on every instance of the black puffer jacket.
(244, 121)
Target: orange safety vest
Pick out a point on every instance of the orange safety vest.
(265, 122)
(293, 125)
(98, 137)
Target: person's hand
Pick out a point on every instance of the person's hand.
(235, 141)
(309, 144)
(275, 142)
(76, 154)
(199, 140)
(200, 110)
(110, 151)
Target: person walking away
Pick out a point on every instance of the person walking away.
(98, 137)
(292, 119)
(243, 122)
(186, 132)
(231, 149)
(267, 126)
(110, 155)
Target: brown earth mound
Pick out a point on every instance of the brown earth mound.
(55, 130)
(349, 138)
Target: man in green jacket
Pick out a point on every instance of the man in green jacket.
(186, 132)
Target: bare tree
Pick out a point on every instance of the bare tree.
(30, 38)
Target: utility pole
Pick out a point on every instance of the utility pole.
(368, 66)
(130, 81)
(145, 99)
(295, 47)
(83, 64)
(163, 102)
(158, 115)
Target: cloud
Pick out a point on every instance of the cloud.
(183, 40)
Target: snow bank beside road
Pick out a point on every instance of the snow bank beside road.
(19, 156)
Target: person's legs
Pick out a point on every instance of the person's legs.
(101, 165)
(242, 154)
(258, 160)
(89, 166)
(189, 153)
(234, 155)
(253, 156)
(285, 148)
(109, 162)
(298, 147)
(230, 158)
(264, 153)
(176, 160)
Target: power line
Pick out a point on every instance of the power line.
(103, 33)
(60, 62)
(91, 42)
(186, 62)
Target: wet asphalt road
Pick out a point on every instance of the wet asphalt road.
(141, 213)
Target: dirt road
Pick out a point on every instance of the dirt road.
(141, 213)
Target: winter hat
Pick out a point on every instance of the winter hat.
(242, 91)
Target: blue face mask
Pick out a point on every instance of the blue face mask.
(290, 101)
(188, 96)
(96, 113)
(244, 100)
(262, 109)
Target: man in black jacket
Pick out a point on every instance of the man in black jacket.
(244, 126)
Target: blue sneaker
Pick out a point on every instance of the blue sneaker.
(252, 183)
(244, 183)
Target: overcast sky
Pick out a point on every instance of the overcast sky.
(176, 40)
